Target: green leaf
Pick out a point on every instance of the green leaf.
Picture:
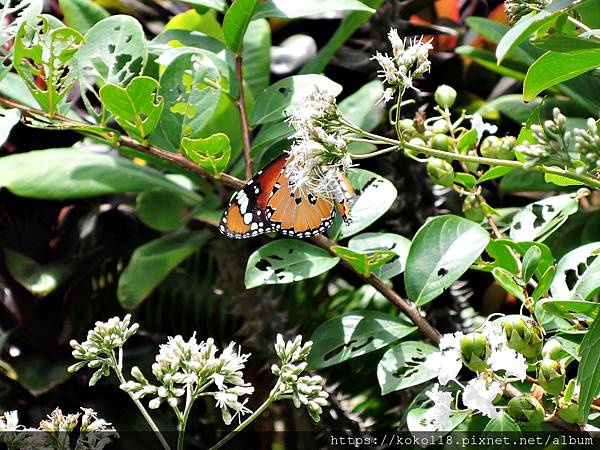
(218, 5)
(152, 262)
(361, 108)
(286, 261)
(236, 22)
(531, 261)
(565, 44)
(188, 88)
(508, 68)
(13, 14)
(287, 94)
(508, 282)
(502, 424)
(170, 38)
(257, 56)
(161, 209)
(117, 60)
(494, 173)
(349, 24)
(432, 268)
(59, 174)
(559, 180)
(354, 334)
(82, 14)
(376, 195)
(571, 309)
(8, 119)
(38, 279)
(291, 10)
(554, 68)
(527, 25)
(588, 375)
(212, 153)
(137, 107)
(403, 366)
(539, 220)
(511, 106)
(544, 284)
(415, 421)
(43, 51)
(364, 262)
(505, 253)
(578, 273)
(399, 245)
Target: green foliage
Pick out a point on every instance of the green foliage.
(236, 22)
(212, 153)
(292, 10)
(404, 366)
(82, 14)
(588, 375)
(364, 262)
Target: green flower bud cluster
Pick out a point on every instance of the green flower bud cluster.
(498, 148)
(445, 96)
(551, 376)
(524, 336)
(472, 209)
(97, 351)
(525, 410)
(440, 171)
(516, 9)
(587, 143)
(303, 390)
(474, 351)
(551, 143)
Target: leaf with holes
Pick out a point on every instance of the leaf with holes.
(287, 94)
(162, 210)
(136, 108)
(539, 220)
(415, 421)
(115, 51)
(236, 21)
(42, 57)
(152, 262)
(578, 274)
(441, 251)
(191, 86)
(211, 153)
(404, 366)
(364, 262)
(286, 261)
(12, 14)
(375, 196)
(588, 374)
(354, 334)
(8, 119)
(395, 243)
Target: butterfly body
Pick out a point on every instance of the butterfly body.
(268, 203)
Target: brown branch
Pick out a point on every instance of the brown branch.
(181, 161)
(241, 104)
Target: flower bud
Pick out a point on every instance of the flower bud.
(441, 142)
(475, 350)
(551, 376)
(445, 96)
(440, 171)
(472, 209)
(439, 127)
(498, 148)
(525, 410)
(524, 336)
(552, 350)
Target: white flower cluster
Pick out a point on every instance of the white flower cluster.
(318, 152)
(190, 368)
(410, 60)
(481, 127)
(303, 390)
(480, 392)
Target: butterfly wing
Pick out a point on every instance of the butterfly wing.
(344, 194)
(245, 215)
(298, 213)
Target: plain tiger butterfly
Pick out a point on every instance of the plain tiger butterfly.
(268, 203)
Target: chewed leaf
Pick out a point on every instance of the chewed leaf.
(354, 334)
(43, 52)
(364, 262)
(395, 243)
(540, 219)
(286, 261)
(137, 107)
(404, 366)
(212, 153)
(578, 274)
(191, 86)
(114, 52)
(13, 14)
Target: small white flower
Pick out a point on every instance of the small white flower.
(439, 413)
(451, 341)
(9, 421)
(396, 41)
(479, 396)
(446, 364)
(226, 400)
(481, 127)
(507, 359)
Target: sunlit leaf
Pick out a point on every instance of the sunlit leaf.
(211, 153)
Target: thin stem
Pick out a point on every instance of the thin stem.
(241, 104)
(118, 371)
(189, 401)
(272, 397)
(375, 153)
